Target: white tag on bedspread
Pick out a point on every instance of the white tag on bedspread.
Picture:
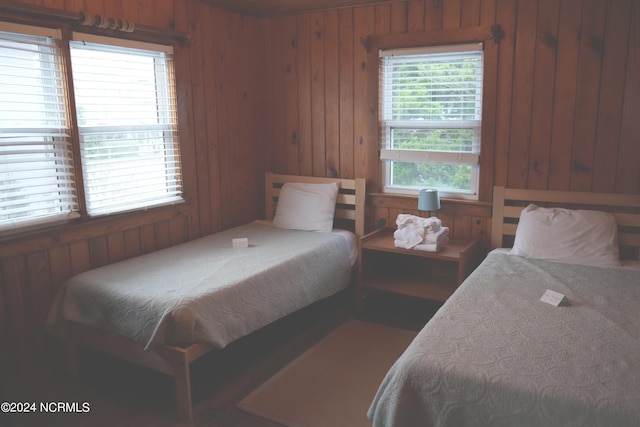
(240, 243)
(554, 298)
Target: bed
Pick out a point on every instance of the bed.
(165, 309)
(497, 354)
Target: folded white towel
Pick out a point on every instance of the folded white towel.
(437, 236)
(432, 247)
(411, 235)
(430, 225)
(427, 247)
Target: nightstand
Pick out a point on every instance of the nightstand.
(428, 275)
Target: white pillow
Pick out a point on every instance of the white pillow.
(576, 236)
(308, 207)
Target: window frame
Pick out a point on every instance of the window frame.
(80, 214)
(389, 155)
(490, 35)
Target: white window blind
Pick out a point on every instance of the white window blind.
(431, 117)
(36, 168)
(126, 111)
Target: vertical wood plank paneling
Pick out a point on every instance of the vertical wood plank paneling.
(616, 41)
(290, 31)
(399, 12)
(290, 94)
(281, 43)
(55, 4)
(177, 231)
(113, 9)
(305, 138)
(519, 139)
(588, 82)
(115, 246)
(40, 294)
(332, 93)
(383, 19)
(98, 251)
(470, 13)
(18, 312)
(565, 94)
(505, 15)
(433, 15)
(346, 86)
(145, 12)
(461, 226)
(78, 5)
(365, 143)
(80, 259)
(318, 122)
(415, 15)
(222, 139)
(451, 12)
(60, 265)
(129, 10)
(162, 235)
(186, 123)
(489, 104)
(147, 238)
(132, 243)
(628, 172)
(203, 96)
(543, 86)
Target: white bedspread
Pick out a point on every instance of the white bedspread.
(495, 355)
(206, 290)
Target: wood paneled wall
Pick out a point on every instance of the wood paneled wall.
(290, 94)
(561, 102)
(221, 132)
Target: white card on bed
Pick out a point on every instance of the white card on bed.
(554, 298)
(240, 243)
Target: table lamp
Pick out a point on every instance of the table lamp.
(428, 199)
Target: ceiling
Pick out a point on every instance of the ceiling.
(285, 7)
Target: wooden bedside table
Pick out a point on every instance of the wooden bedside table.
(428, 275)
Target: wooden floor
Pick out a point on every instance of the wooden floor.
(119, 394)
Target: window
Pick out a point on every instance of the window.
(36, 166)
(431, 115)
(125, 110)
(127, 125)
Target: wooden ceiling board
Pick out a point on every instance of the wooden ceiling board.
(285, 7)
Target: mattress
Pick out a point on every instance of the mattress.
(206, 290)
(496, 355)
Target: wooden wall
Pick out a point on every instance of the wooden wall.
(220, 101)
(290, 94)
(561, 100)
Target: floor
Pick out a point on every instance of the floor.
(114, 393)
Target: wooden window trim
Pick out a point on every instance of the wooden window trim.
(491, 35)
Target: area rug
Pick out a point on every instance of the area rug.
(334, 382)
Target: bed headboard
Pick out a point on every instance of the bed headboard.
(509, 202)
(349, 205)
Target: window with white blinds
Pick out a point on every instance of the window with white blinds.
(431, 113)
(125, 110)
(36, 168)
(127, 121)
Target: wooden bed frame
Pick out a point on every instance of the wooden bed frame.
(175, 361)
(509, 202)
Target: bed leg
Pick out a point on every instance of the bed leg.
(183, 390)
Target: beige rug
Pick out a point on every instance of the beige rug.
(334, 382)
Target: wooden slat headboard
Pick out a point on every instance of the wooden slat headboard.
(349, 205)
(509, 202)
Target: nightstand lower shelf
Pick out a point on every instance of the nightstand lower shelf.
(427, 275)
(432, 289)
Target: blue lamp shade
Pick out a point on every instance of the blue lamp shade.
(428, 200)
